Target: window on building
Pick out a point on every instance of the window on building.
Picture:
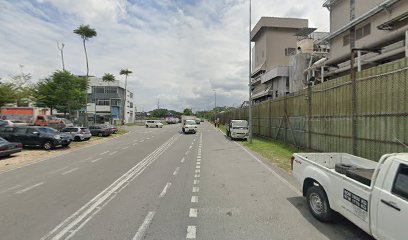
(103, 102)
(290, 51)
(131, 105)
(111, 90)
(346, 40)
(115, 102)
(363, 31)
(287, 82)
(276, 93)
(131, 95)
(98, 90)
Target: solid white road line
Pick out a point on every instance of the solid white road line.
(196, 189)
(145, 225)
(165, 190)
(271, 170)
(29, 188)
(193, 213)
(95, 160)
(69, 171)
(197, 175)
(112, 153)
(182, 160)
(104, 152)
(176, 171)
(191, 232)
(196, 181)
(194, 199)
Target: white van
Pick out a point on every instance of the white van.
(153, 124)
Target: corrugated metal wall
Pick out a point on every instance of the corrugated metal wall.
(321, 117)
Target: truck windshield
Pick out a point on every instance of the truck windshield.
(190, 122)
(240, 124)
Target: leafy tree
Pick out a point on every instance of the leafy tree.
(159, 113)
(188, 111)
(7, 94)
(86, 33)
(62, 91)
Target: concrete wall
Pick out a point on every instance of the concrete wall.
(297, 65)
(340, 14)
(277, 41)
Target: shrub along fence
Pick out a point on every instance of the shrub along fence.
(367, 117)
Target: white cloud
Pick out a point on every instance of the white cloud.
(178, 52)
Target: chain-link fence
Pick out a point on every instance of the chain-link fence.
(367, 117)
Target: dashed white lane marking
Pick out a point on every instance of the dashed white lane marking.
(141, 140)
(165, 190)
(191, 232)
(104, 152)
(197, 175)
(196, 181)
(193, 213)
(187, 152)
(194, 199)
(95, 160)
(113, 153)
(145, 225)
(29, 188)
(190, 147)
(198, 162)
(125, 148)
(11, 188)
(134, 144)
(197, 171)
(58, 170)
(69, 171)
(198, 167)
(176, 171)
(196, 189)
(182, 160)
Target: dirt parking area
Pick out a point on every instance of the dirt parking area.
(33, 155)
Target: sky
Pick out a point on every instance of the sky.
(180, 51)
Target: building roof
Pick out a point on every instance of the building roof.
(275, 22)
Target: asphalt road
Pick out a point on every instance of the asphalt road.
(159, 184)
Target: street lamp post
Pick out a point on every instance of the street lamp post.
(215, 106)
(249, 82)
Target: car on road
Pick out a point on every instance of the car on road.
(7, 148)
(198, 121)
(374, 196)
(189, 126)
(100, 131)
(78, 133)
(45, 137)
(153, 124)
(238, 129)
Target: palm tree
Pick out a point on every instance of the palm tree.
(125, 72)
(109, 78)
(86, 32)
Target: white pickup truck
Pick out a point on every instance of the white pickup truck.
(374, 196)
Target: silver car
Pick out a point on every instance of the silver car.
(78, 133)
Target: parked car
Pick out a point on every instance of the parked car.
(198, 121)
(45, 137)
(237, 129)
(189, 126)
(100, 130)
(78, 133)
(374, 196)
(112, 128)
(7, 148)
(154, 124)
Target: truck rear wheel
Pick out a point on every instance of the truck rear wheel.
(319, 204)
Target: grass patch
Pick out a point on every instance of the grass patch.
(275, 151)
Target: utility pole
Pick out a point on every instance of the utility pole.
(249, 85)
(61, 49)
(158, 103)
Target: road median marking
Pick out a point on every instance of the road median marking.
(95, 160)
(193, 213)
(78, 219)
(165, 190)
(194, 199)
(29, 188)
(103, 153)
(191, 232)
(69, 171)
(176, 171)
(196, 189)
(141, 232)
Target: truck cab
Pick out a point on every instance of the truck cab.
(374, 196)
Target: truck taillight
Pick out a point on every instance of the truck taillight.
(291, 162)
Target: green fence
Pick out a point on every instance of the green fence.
(366, 117)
